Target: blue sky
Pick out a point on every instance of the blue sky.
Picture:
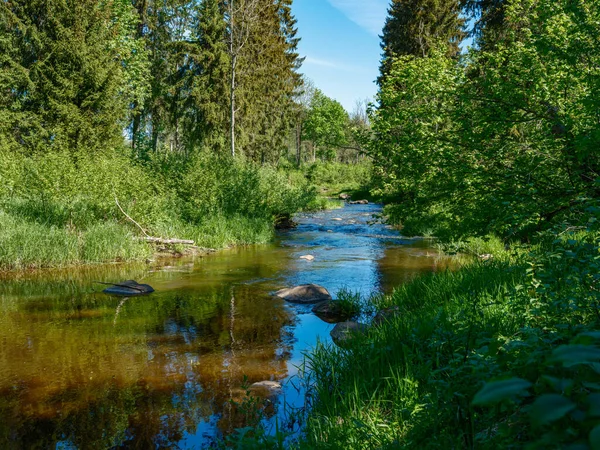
(340, 40)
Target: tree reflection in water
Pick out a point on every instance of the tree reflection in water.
(75, 372)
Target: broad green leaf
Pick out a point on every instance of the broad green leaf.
(550, 407)
(595, 438)
(570, 355)
(497, 391)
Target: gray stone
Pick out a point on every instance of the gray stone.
(128, 288)
(269, 386)
(344, 196)
(330, 312)
(307, 257)
(346, 331)
(305, 294)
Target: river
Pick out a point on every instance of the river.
(80, 369)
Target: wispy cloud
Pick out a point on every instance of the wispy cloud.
(332, 64)
(321, 62)
(368, 14)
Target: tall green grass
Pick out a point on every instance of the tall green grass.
(60, 208)
(410, 383)
(25, 245)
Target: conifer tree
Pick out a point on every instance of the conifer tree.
(62, 73)
(413, 27)
(208, 76)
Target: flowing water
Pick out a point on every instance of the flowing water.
(80, 369)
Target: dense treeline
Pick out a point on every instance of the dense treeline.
(176, 113)
(172, 74)
(501, 142)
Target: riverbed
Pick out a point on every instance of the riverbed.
(82, 369)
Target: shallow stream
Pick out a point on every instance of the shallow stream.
(80, 369)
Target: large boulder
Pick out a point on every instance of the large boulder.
(128, 288)
(344, 332)
(305, 294)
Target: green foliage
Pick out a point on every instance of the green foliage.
(502, 143)
(325, 125)
(525, 322)
(217, 203)
(62, 73)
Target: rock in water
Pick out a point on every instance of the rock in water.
(360, 202)
(331, 312)
(345, 331)
(344, 196)
(129, 288)
(307, 257)
(305, 294)
(269, 387)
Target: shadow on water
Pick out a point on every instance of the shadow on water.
(80, 369)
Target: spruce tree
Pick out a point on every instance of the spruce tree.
(62, 73)
(268, 81)
(208, 76)
(413, 27)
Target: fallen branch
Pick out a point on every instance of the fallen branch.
(149, 238)
(167, 241)
(127, 215)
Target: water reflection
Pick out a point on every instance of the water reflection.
(79, 369)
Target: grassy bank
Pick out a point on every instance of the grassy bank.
(60, 208)
(500, 354)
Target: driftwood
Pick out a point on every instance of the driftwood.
(149, 238)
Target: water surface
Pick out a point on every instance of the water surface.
(80, 369)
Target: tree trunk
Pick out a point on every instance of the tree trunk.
(298, 144)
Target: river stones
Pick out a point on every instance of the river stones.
(360, 202)
(344, 332)
(128, 288)
(304, 294)
(307, 257)
(344, 196)
(337, 219)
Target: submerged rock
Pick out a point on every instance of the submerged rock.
(360, 202)
(344, 332)
(307, 257)
(267, 386)
(330, 312)
(128, 288)
(305, 294)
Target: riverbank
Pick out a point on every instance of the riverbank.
(58, 209)
(500, 354)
